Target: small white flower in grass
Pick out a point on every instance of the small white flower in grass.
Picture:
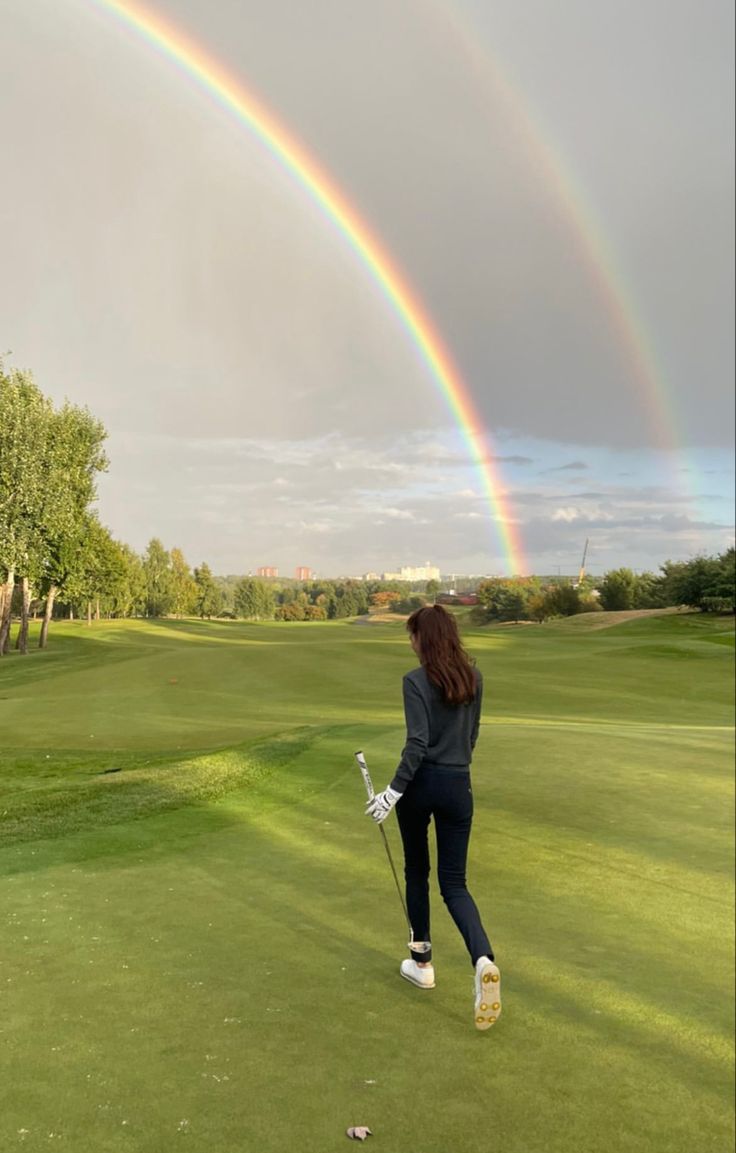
(183, 1125)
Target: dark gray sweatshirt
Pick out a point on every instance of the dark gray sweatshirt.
(436, 733)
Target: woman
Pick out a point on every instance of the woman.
(442, 700)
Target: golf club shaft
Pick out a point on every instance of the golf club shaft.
(371, 794)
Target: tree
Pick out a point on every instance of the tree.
(538, 607)
(705, 582)
(127, 594)
(431, 588)
(507, 599)
(208, 597)
(183, 587)
(649, 591)
(291, 611)
(25, 415)
(159, 579)
(76, 455)
(98, 567)
(562, 600)
(618, 589)
(48, 465)
(384, 598)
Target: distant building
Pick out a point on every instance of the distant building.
(267, 571)
(453, 598)
(426, 572)
(304, 574)
(370, 576)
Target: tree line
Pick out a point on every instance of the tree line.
(705, 582)
(58, 559)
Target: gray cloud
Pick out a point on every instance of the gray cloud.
(573, 466)
(170, 275)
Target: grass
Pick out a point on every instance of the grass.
(150, 914)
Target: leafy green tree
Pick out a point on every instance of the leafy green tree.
(649, 591)
(563, 600)
(254, 599)
(538, 607)
(127, 593)
(183, 586)
(48, 465)
(507, 599)
(76, 455)
(208, 600)
(159, 580)
(25, 416)
(292, 611)
(705, 582)
(618, 589)
(315, 613)
(98, 567)
(431, 588)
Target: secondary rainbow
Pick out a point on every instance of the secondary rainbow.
(545, 155)
(233, 95)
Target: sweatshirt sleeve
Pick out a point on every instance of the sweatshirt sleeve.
(477, 703)
(417, 737)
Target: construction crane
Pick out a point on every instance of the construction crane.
(581, 574)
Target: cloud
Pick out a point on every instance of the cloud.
(258, 385)
(573, 466)
(397, 513)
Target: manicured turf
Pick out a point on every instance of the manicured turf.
(200, 951)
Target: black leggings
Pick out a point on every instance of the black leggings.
(446, 795)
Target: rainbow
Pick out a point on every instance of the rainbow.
(233, 96)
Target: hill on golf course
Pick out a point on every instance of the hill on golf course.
(201, 937)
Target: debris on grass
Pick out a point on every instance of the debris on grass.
(359, 1132)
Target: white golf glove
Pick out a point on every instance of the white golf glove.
(382, 804)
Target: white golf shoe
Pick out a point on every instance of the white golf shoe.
(420, 975)
(487, 993)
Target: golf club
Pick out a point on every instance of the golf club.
(371, 793)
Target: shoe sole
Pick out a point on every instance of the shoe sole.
(416, 984)
(488, 1000)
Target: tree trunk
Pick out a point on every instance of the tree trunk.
(21, 643)
(5, 617)
(47, 617)
(89, 612)
(97, 609)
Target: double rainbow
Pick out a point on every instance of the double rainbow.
(233, 96)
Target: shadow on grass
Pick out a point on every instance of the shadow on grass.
(143, 788)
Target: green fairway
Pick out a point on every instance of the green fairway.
(201, 950)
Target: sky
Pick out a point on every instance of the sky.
(556, 184)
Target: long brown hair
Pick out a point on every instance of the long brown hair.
(442, 654)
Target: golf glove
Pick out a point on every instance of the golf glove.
(382, 804)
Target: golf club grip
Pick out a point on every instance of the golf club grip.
(366, 775)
